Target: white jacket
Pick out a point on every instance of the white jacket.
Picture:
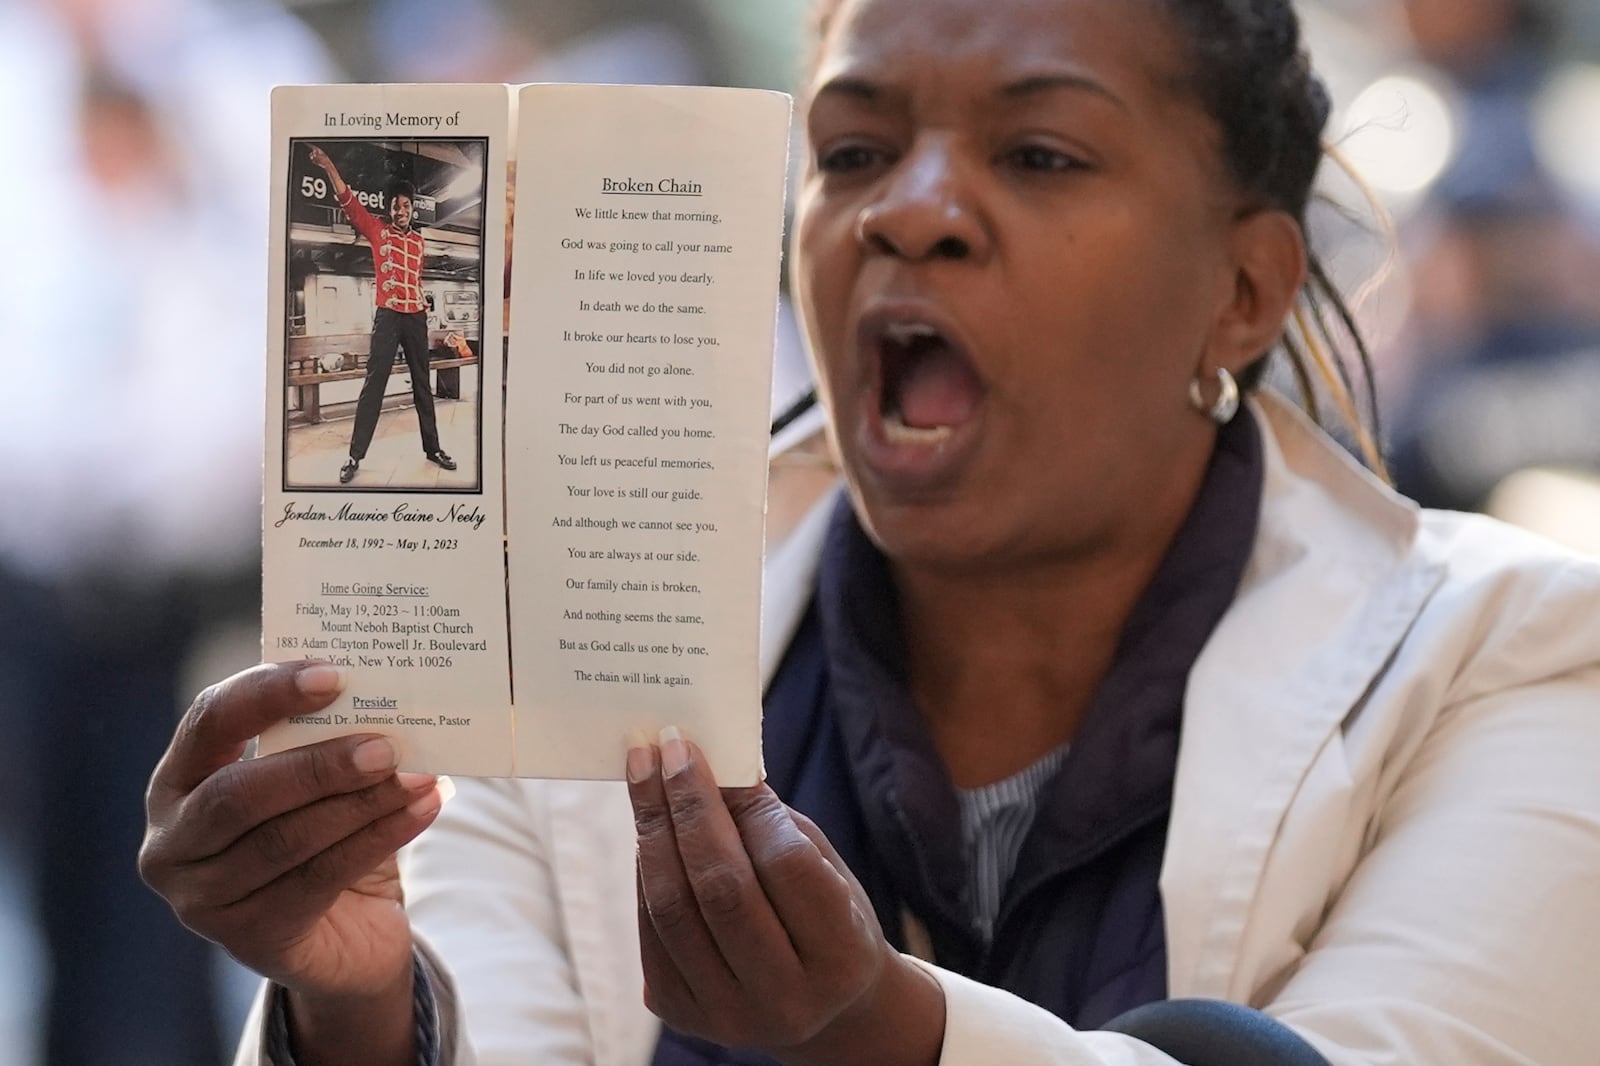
(1385, 829)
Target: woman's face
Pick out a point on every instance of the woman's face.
(1013, 249)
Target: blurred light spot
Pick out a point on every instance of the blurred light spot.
(1563, 505)
(1567, 129)
(1400, 135)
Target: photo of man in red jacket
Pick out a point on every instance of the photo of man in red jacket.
(400, 320)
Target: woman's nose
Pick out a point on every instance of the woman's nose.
(924, 209)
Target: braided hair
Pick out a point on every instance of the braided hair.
(1249, 70)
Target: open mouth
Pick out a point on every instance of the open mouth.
(928, 387)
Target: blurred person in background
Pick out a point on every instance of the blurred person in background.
(1504, 334)
(629, 41)
(130, 469)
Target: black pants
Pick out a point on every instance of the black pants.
(392, 329)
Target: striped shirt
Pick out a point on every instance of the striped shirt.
(995, 820)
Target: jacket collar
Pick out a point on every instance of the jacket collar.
(789, 577)
(1331, 589)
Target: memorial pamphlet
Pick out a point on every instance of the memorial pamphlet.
(528, 532)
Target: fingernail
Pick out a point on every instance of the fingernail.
(431, 800)
(321, 679)
(641, 758)
(376, 755)
(416, 782)
(674, 752)
(425, 804)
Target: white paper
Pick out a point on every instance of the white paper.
(607, 575)
(643, 317)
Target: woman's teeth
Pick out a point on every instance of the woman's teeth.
(903, 333)
(896, 431)
(924, 385)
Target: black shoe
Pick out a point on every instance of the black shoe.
(348, 470)
(442, 459)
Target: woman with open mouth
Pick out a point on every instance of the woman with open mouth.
(1126, 719)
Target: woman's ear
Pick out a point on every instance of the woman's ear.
(1268, 255)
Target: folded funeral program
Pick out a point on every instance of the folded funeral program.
(528, 532)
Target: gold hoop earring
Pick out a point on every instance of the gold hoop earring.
(1227, 403)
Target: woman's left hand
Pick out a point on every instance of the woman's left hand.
(754, 933)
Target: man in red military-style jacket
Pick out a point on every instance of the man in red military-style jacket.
(400, 321)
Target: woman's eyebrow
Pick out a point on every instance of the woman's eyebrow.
(850, 86)
(1035, 84)
(870, 92)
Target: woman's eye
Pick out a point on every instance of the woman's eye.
(847, 157)
(1037, 157)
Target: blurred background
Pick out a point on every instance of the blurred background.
(133, 280)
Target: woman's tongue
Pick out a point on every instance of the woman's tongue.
(937, 389)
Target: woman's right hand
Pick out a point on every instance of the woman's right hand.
(288, 861)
